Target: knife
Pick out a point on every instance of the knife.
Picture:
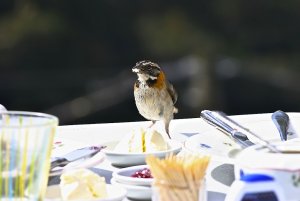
(214, 119)
(219, 119)
(82, 153)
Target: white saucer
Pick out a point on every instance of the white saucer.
(135, 192)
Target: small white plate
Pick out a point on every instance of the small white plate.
(124, 176)
(135, 192)
(115, 193)
(212, 143)
(125, 159)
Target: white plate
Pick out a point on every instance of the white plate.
(211, 143)
(220, 147)
(135, 192)
(129, 159)
(115, 193)
(124, 176)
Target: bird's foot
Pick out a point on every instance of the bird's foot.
(152, 124)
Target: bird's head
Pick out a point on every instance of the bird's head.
(146, 70)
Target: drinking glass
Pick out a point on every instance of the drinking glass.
(26, 140)
(162, 191)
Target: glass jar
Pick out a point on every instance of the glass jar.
(163, 191)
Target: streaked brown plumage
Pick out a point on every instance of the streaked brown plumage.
(154, 95)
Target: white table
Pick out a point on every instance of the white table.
(100, 133)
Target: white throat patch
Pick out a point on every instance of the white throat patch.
(145, 77)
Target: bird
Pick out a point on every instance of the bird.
(154, 95)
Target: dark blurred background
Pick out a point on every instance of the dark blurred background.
(73, 58)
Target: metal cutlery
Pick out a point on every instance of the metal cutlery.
(82, 153)
(281, 120)
(221, 122)
(239, 133)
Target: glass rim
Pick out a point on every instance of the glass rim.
(52, 118)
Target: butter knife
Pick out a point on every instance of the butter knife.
(214, 119)
(82, 153)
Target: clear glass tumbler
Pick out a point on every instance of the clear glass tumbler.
(26, 140)
(162, 191)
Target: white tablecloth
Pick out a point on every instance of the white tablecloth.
(99, 133)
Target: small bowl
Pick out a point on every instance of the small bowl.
(124, 176)
(125, 159)
(135, 192)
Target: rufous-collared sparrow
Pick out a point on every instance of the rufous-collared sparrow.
(154, 95)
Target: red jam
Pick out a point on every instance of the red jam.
(143, 173)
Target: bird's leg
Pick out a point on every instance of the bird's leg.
(153, 122)
(167, 123)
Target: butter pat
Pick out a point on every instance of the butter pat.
(154, 141)
(131, 142)
(136, 143)
(142, 141)
(82, 184)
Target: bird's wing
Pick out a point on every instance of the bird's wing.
(172, 92)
